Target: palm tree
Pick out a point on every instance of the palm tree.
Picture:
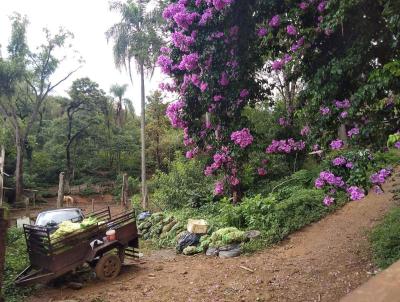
(136, 39)
(118, 91)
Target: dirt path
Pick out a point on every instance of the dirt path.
(322, 262)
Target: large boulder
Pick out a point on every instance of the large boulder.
(229, 251)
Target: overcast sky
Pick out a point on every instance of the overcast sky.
(88, 20)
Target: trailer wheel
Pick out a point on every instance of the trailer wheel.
(108, 267)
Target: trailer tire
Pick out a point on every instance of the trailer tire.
(108, 267)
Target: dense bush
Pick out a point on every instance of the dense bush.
(16, 261)
(184, 185)
(385, 239)
(276, 218)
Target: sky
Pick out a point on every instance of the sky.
(88, 20)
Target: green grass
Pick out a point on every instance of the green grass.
(16, 261)
(385, 239)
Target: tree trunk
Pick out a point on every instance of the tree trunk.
(124, 192)
(67, 187)
(60, 195)
(2, 159)
(19, 167)
(143, 139)
(342, 133)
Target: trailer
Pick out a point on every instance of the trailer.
(50, 259)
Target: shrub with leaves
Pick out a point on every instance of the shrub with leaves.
(184, 185)
(385, 239)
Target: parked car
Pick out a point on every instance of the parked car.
(51, 219)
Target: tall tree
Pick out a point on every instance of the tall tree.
(136, 39)
(82, 110)
(118, 91)
(28, 82)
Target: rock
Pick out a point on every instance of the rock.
(75, 285)
(252, 234)
(231, 253)
(146, 236)
(190, 250)
(229, 247)
(212, 251)
(169, 226)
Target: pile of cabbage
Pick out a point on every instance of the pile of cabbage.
(68, 227)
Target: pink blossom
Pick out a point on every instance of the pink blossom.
(291, 30)
(203, 86)
(218, 98)
(305, 131)
(244, 93)
(275, 21)
(173, 112)
(328, 200)
(336, 144)
(243, 138)
(262, 31)
(219, 188)
(261, 171)
(224, 81)
(352, 132)
(189, 62)
(343, 114)
(355, 193)
(325, 110)
(303, 5)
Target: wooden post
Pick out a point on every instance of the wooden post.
(92, 205)
(2, 159)
(60, 196)
(124, 193)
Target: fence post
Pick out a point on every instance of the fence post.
(60, 195)
(124, 193)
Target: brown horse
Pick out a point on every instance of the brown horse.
(69, 201)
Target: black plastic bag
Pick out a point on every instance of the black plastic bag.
(187, 239)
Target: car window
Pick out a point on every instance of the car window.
(58, 217)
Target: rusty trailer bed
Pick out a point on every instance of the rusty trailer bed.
(50, 259)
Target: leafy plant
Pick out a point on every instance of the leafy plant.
(385, 239)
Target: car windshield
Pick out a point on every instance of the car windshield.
(56, 217)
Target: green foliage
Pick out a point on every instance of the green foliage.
(274, 217)
(392, 139)
(16, 261)
(185, 185)
(385, 239)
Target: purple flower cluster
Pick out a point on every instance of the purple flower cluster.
(173, 112)
(291, 30)
(189, 62)
(275, 21)
(336, 144)
(339, 161)
(285, 146)
(221, 4)
(352, 132)
(342, 104)
(397, 145)
(243, 138)
(261, 171)
(165, 63)
(355, 193)
(305, 131)
(182, 41)
(328, 200)
(220, 158)
(379, 177)
(219, 188)
(328, 178)
(283, 122)
(262, 31)
(325, 110)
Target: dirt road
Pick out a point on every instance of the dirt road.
(322, 262)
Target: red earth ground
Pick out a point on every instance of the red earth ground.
(321, 262)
